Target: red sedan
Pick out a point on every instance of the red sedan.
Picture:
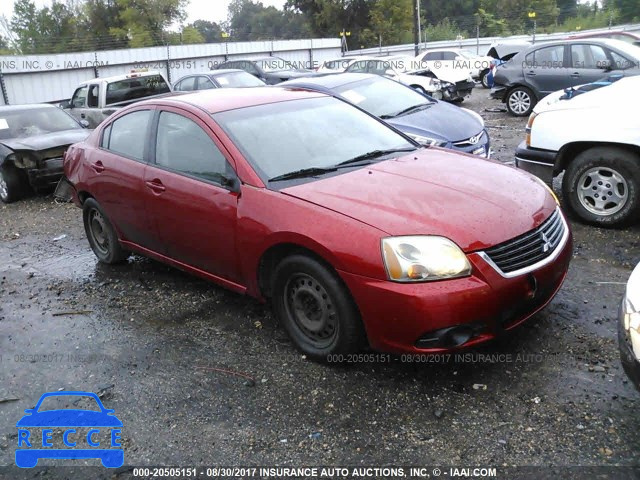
(356, 233)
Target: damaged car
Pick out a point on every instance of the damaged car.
(33, 139)
(451, 86)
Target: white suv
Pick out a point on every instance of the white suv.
(592, 134)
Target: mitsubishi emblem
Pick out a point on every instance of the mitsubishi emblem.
(546, 245)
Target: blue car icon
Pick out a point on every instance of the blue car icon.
(32, 447)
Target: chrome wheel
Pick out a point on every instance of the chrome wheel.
(98, 229)
(519, 102)
(602, 191)
(310, 307)
(4, 189)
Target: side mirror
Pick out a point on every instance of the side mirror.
(84, 123)
(232, 183)
(65, 104)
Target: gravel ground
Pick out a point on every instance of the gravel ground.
(202, 377)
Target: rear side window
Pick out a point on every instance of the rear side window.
(449, 55)
(127, 135)
(548, 57)
(187, 85)
(205, 84)
(183, 146)
(433, 56)
(588, 56)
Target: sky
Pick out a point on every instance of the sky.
(212, 10)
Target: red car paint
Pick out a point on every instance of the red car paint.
(223, 236)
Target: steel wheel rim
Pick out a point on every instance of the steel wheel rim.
(4, 188)
(602, 191)
(519, 101)
(485, 80)
(310, 307)
(98, 228)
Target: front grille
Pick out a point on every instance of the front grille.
(468, 142)
(529, 248)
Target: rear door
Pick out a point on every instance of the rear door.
(119, 165)
(194, 212)
(545, 70)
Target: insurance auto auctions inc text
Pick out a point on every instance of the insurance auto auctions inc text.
(350, 472)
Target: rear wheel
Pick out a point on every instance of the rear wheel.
(520, 101)
(101, 234)
(484, 78)
(316, 308)
(602, 186)
(12, 184)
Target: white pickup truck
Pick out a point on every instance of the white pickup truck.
(592, 134)
(95, 100)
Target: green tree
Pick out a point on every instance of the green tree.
(211, 32)
(251, 20)
(391, 22)
(145, 22)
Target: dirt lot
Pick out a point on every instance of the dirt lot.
(202, 377)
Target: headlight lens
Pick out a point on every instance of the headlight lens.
(423, 259)
(549, 189)
(527, 130)
(428, 141)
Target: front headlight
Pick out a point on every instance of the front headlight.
(423, 259)
(428, 141)
(549, 189)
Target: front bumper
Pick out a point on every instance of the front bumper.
(458, 91)
(398, 316)
(628, 358)
(536, 161)
(47, 175)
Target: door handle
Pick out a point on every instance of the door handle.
(98, 166)
(575, 75)
(155, 185)
(531, 74)
(82, 115)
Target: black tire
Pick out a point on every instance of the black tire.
(520, 101)
(316, 308)
(101, 234)
(484, 79)
(12, 183)
(601, 186)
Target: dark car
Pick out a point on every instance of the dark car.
(544, 68)
(426, 120)
(271, 70)
(33, 139)
(224, 78)
(358, 234)
(629, 328)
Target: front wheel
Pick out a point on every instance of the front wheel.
(520, 101)
(602, 186)
(316, 308)
(484, 79)
(12, 184)
(101, 234)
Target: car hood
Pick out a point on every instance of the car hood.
(441, 119)
(69, 418)
(619, 95)
(476, 203)
(47, 141)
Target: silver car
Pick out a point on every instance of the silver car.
(629, 328)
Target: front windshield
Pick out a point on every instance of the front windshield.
(285, 137)
(238, 79)
(34, 121)
(381, 97)
(274, 64)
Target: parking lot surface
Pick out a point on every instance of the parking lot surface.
(201, 376)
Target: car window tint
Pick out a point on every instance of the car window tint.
(549, 57)
(379, 68)
(205, 84)
(433, 56)
(128, 134)
(187, 85)
(251, 68)
(449, 55)
(620, 62)
(588, 56)
(79, 99)
(92, 96)
(183, 146)
(358, 67)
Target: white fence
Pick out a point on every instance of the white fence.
(481, 45)
(51, 78)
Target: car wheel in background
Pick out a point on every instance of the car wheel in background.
(101, 234)
(602, 186)
(484, 78)
(12, 184)
(316, 308)
(520, 101)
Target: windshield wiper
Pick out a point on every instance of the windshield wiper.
(304, 172)
(406, 111)
(374, 154)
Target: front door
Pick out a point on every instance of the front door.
(194, 212)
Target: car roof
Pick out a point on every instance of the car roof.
(332, 80)
(126, 76)
(25, 106)
(605, 34)
(609, 42)
(223, 99)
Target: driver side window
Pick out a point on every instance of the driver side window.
(79, 99)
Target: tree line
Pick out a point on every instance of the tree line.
(88, 25)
